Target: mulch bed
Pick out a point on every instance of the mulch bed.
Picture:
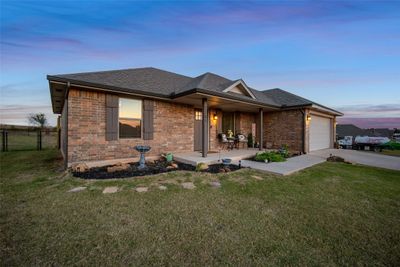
(155, 167)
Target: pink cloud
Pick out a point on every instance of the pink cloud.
(371, 122)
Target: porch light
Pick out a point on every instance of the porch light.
(308, 117)
(215, 116)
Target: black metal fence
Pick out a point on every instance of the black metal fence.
(29, 139)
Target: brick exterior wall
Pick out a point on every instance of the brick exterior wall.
(284, 127)
(173, 129)
(246, 119)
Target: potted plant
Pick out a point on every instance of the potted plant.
(229, 133)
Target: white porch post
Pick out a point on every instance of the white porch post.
(204, 128)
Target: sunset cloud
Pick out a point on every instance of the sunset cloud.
(373, 111)
(342, 54)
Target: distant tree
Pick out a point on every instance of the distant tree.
(38, 119)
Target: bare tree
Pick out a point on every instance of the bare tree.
(38, 119)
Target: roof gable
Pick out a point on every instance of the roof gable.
(239, 87)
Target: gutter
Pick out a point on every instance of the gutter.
(313, 105)
(224, 96)
(106, 88)
(303, 139)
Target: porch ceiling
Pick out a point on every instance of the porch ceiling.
(215, 102)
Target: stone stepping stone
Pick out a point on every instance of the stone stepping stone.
(110, 190)
(188, 185)
(77, 189)
(162, 187)
(141, 189)
(257, 177)
(215, 184)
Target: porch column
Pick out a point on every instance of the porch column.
(204, 128)
(261, 128)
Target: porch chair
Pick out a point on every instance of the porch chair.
(224, 140)
(242, 140)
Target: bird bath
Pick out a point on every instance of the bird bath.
(142, 150)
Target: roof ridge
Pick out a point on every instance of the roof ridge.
(117, 70)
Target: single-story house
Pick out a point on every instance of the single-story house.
(105, 114)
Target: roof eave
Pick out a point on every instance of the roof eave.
(108, 88)
(224, 95)
(313, 105)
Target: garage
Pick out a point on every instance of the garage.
(320, 132)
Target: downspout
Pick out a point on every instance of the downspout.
(67, 128)
(303, 111)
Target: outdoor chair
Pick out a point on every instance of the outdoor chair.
(225, 141)
(241, 139)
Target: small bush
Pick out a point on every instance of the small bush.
(270, 156)
(201, 166)
(392, 145)
(284, 151)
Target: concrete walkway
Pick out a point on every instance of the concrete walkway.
(361, 157)
(305, 161)
(285, 168)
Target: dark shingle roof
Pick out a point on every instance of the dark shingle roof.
(208, 81)
(285, 98)
(142, 79)
(166, 84)
(343, 130)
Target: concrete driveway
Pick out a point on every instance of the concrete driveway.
(361, 157)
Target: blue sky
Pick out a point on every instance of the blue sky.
(341, 54)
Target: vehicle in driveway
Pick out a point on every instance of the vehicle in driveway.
(371, 143)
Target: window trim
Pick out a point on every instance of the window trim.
(141, 119)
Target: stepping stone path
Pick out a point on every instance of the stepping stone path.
(215, 184)
(257, 177)
(110, 190)
(188, 185)
(162, 187)
(141, 189)
(77, 189)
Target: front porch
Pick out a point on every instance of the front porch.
(196, 157)
(213, 116)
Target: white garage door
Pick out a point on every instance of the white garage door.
(320, 133)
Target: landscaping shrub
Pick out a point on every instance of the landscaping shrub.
(284, 151)
(201, 166)
(271, 156)
(392, 145)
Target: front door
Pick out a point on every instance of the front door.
(198, 133)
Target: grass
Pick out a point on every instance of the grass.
(331, 214)
(18, 140)
(388, 152)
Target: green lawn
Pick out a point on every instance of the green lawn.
(388, 152)
(331, 214)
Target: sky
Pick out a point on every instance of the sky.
(341, 54)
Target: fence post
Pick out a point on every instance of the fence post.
(39, 140)
(5, 141)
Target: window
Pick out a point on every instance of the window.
(198, 115)
(130, 118)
